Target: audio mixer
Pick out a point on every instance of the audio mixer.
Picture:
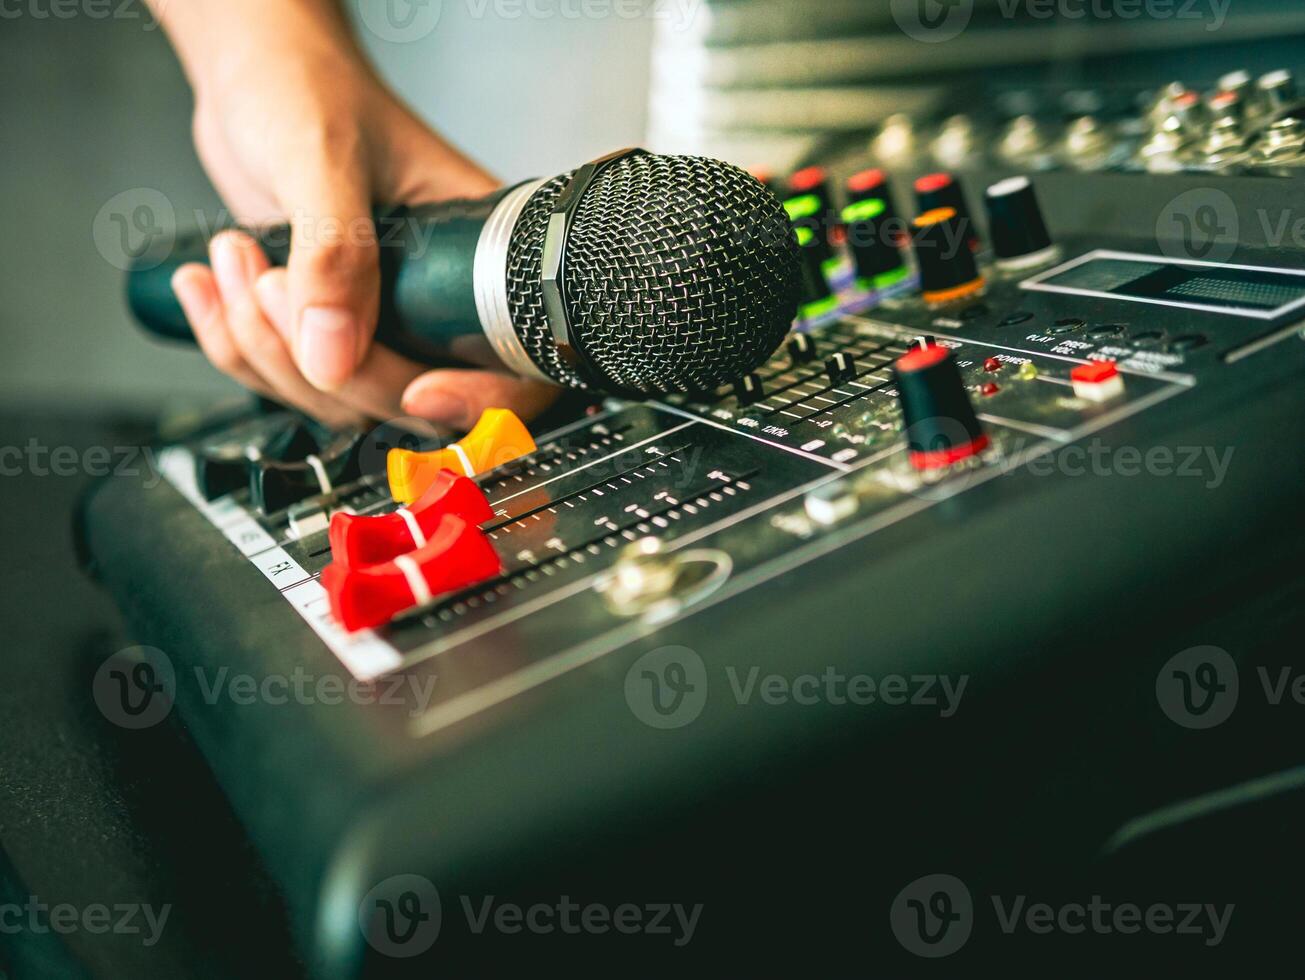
(1027, 431)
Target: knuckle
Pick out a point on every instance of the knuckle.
(339, 251)
(226, 358)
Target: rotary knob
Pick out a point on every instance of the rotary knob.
(940, 424)
(879, 262)
(817, 299)
(948, 272)
(1020, 239)
(943, 190)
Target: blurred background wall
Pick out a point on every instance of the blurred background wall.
(95, 106)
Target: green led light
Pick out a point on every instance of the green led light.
(802, 207)
(805, 236)
(814, 311)
(870, 208)
(886, 279)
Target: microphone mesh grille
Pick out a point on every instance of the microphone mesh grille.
(681, 275)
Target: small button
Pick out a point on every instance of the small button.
(1097, 381)
(1148, 338)
(1068, 325)
(1106, 331)
(1188, 341)
(1016, 318)
(992, 365)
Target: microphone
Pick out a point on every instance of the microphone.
(636, 273)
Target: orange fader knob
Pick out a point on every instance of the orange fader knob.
(361, 540)
(499, 437)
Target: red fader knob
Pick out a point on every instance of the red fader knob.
(457, 555)
(360, 540)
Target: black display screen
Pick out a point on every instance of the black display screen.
(1248, 291)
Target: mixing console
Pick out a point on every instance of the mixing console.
(895, 478)
(819, 440)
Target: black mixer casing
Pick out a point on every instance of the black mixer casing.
(1058, 595)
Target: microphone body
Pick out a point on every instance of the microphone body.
(427, 263)
(636, 273)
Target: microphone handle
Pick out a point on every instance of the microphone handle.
(427, 256)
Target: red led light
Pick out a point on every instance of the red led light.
(992, 364)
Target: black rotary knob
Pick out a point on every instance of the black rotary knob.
(939, 422)
(1019, 236)
(873, 184)
(944, 190)
(948, 272)
(871, 239)
(808, 205)
(816, 294)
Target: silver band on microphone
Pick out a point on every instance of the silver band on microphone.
(489, 282)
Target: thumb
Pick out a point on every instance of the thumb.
(333, 272)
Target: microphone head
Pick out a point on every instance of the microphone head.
(681, 274)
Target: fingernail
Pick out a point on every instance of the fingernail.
(271, 291)
(191, 294)
(327, 346)
(230, 269)
(435, 404)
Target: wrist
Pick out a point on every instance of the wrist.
(221, 42)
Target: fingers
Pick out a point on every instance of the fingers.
(237, 263)
(455, 397)
(196, 290)
(375, 387)
(241, 314)
(334, 269)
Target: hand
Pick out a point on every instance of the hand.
(307, 133)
